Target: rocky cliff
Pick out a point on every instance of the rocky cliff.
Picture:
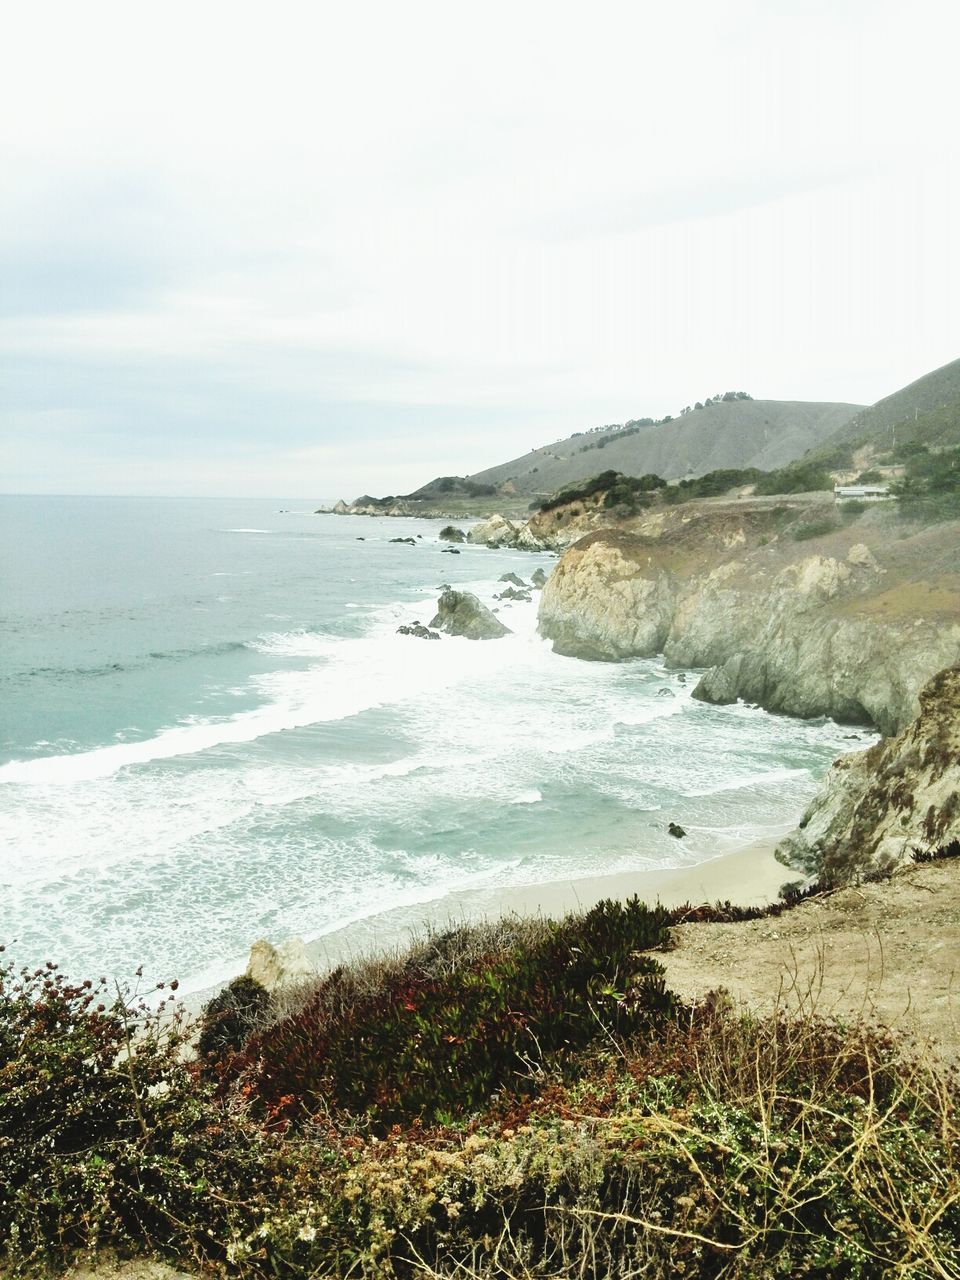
(877, 807)
(787, 603)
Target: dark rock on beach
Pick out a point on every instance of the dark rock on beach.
(676, 830)
(419, 630)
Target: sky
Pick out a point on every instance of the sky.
(316, 250)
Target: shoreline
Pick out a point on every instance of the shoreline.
(748, 876)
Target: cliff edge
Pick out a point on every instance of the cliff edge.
(789, 603)
(877, 807)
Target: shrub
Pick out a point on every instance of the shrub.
(422, 1042)
(815, 529)
(714, 483)
(107, 1137)
(798, 477)
(605, 481)
(230, 1017)
(731, 1146)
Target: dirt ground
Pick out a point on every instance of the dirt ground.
(887, 952)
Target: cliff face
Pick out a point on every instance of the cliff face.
(875, 807)
(850, 624)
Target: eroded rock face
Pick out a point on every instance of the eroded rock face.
(846, 631)
(875, 807)
(460, 613)
(598, 605)
(498, 531)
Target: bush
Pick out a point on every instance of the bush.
(714, 483)
(815, 529)
(798, 477)
(628, 487)
(426, 1042)
(107, 1137)
(930, 489)
(230, 1017)
(730, 1146)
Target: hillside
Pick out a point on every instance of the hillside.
(934, 399)
(745, 433)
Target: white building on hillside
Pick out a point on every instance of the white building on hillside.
(860, 492)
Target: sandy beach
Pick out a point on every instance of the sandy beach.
(750, 876)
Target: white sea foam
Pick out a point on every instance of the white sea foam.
(183, 848)
(530, 796)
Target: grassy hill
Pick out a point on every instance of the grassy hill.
(745, 433)
(927, 410)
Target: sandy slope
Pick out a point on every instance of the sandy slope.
(888, 951)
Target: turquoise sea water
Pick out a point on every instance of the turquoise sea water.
(210, 732)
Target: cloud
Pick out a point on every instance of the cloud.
(424, 232)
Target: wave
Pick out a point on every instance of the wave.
(357, 676)
(763, 778)
(531, 796)
(246, 530)
(96, 671)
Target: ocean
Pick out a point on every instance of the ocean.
(211, 732)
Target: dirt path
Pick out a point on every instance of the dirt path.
(889, 952)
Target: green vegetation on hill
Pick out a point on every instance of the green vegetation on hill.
(627, 494)
(450, 486)
(711, 485)
(617, 488)
(798, 477)
(930, 488)
(514, 1099)
(936, 391)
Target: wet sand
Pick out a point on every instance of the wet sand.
(748, 877)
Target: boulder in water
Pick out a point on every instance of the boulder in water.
(412, 541)
(538, 578)
(517, 582)
(419, 630)
(460, 613)
(450, 533)
(676, 830)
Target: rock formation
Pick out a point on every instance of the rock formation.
(827, 627)
(877, 806)
(419, 630)
(450, 533)
(498, 531)
(278, 966)
(460, 613)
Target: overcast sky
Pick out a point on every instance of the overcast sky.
(311, 250)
